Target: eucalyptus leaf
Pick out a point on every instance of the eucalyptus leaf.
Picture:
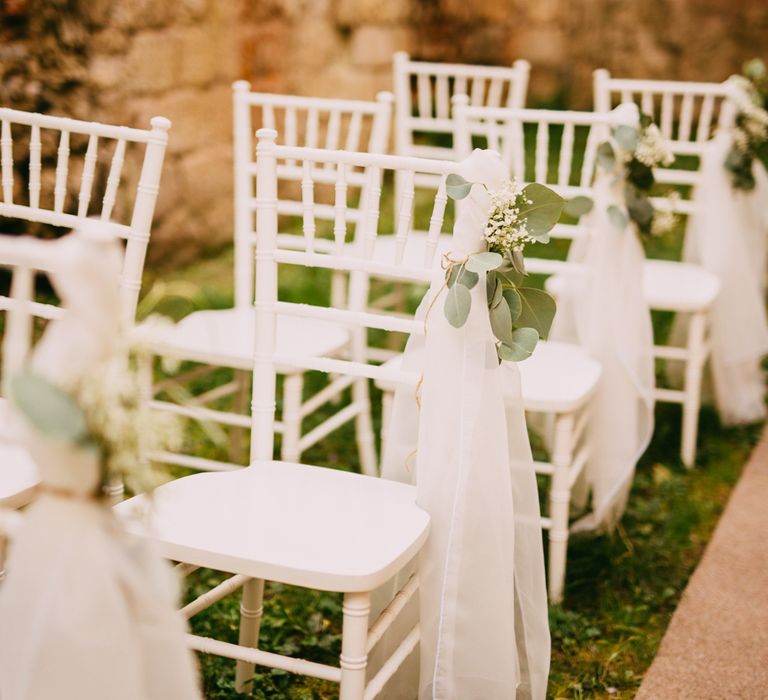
(578, 206)
(514, 302)
(617, 217)
(457, 187)
(538, 310)
(522, 346)
(490, 286)
(639, 207)
(501, 322)
(606, 157)
(459, 273)
(511, 277)
(518, 262)
(640, 175)
(483, 262)
(626, 136)
(544, 210)
(457, 305)
(468, 278)
(51, 411)
(498, 294)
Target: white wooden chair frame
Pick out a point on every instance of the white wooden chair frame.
(371, 119)
(659, 99)
(405, 528)
(136, 233)
(24, 257)
(568, 410)
(435, 85)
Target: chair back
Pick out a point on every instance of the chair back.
(311, 122)
(74, 170)
(555, 148)
(355, 230)
(23, 259)
(423, 93)
(687, 112)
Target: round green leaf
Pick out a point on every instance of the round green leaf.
(626, 136)
(522, 346)
(457, 305)
(501, 323)
(578, 206)
(518, 262)
(544, 210)
(537, 312)
(460, 274)
(468, 278)
(49, 410)
(497, 296)
(606, 158)
(483, 262)
(639, 206)
(457, 187)
(514, 302)
(617, 217)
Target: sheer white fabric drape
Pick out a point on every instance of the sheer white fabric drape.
(85, 612)
(601, 307)
(483, 609)
(727, 236)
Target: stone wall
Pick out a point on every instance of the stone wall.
(122, 61)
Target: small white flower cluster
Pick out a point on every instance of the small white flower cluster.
(652, 148)
(752, 122)
(505, 231)
(121, 424)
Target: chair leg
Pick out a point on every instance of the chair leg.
(293, 388)
(694, 369)
(241, 401)
(366, 446)
(251, 609)
(559, 504)
(354, 641)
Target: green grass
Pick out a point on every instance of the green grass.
(621, 590)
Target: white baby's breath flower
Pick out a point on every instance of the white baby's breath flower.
(505, 230)
(652, 148)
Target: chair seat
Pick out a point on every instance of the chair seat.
(557, 378)
(18, 473)
(307, 526)
(668, 286)
(225, 337)
(676, 286)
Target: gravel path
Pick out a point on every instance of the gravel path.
(716, 647)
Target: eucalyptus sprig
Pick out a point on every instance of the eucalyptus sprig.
(519, 315)
(631, 155)
(750, 130)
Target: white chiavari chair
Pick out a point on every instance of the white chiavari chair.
(423, 93)
(555, 148)
(338, 531)
(23, 260)
(78, 170)
(687, 114)
(223, 338)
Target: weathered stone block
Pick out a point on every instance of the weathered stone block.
(199, 117)
(152, 63)
(357, 12)
(198, 55)
(373, 45)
